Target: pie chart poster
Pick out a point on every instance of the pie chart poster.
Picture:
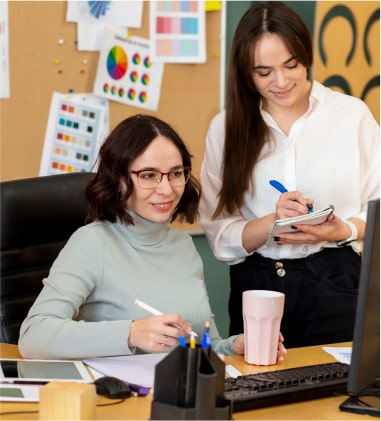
(126, 74)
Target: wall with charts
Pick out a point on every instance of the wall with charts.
(50, 68)
(47, 70)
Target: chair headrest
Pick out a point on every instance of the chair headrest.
(42, 209)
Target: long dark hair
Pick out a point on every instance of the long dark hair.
(127, 141)
(245, 130)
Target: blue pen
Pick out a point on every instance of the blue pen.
(280, 187)
(206, 342)
(182, 341)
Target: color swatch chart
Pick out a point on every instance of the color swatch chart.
(72, 137)
(126, 73)
(177, 31)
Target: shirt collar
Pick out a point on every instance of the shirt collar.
(317, 96)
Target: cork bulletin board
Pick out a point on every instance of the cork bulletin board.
(44, 59)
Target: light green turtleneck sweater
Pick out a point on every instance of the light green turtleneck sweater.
(87, 303)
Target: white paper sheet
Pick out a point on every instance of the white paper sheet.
(4, 51)
(342, 354)
(120, 13)
(90, 35)
(137, 369)
(231, 371)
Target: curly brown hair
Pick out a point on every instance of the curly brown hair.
(127, 141)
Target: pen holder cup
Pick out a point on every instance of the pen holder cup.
(189, 385)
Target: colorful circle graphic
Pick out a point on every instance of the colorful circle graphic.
(121, 92)
(131, 94)
(99, 8)
(113, 90)
(143, 97)
(147, 62)
(145, 79)
(134, 76)
(106, 88)
(117, 62)
(136, 58)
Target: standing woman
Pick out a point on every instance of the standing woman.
(322, 145)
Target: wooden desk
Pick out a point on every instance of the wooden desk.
(140, 408)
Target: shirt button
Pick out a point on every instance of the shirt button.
(305, 248)
(280, 271)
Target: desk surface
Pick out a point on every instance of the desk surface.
(140, 407)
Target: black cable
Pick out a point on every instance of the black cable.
(369, 392)
(111, 403)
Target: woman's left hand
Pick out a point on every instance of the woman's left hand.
(281, 348)
(238, 346)
(331, 230)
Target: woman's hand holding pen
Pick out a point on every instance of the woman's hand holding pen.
(293, 203)
(157, 333)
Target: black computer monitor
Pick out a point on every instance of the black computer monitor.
(364, 373)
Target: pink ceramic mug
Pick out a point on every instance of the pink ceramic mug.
(262, 313)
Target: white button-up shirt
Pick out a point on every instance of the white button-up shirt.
(332, 154)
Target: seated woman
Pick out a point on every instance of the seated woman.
(128, 251)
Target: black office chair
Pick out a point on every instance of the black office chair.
(38, 215)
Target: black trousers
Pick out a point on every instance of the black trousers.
(320, 294)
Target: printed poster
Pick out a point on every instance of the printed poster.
(77, 125)
(120, 13)
(126, 73)
(177, 31)
(4, 51)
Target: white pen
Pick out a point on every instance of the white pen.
(155, 312)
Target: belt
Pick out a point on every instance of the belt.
(320, 260)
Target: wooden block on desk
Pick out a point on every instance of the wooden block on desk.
(67, 401)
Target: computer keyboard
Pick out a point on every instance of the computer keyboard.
(278, 387)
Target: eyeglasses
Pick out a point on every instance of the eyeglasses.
(149, 179)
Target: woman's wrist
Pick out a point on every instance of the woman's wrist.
(353, 233)
(130, 342)
(256, 232)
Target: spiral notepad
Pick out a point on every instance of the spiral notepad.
(284, 225)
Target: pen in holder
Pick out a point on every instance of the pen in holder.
(189, 384)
